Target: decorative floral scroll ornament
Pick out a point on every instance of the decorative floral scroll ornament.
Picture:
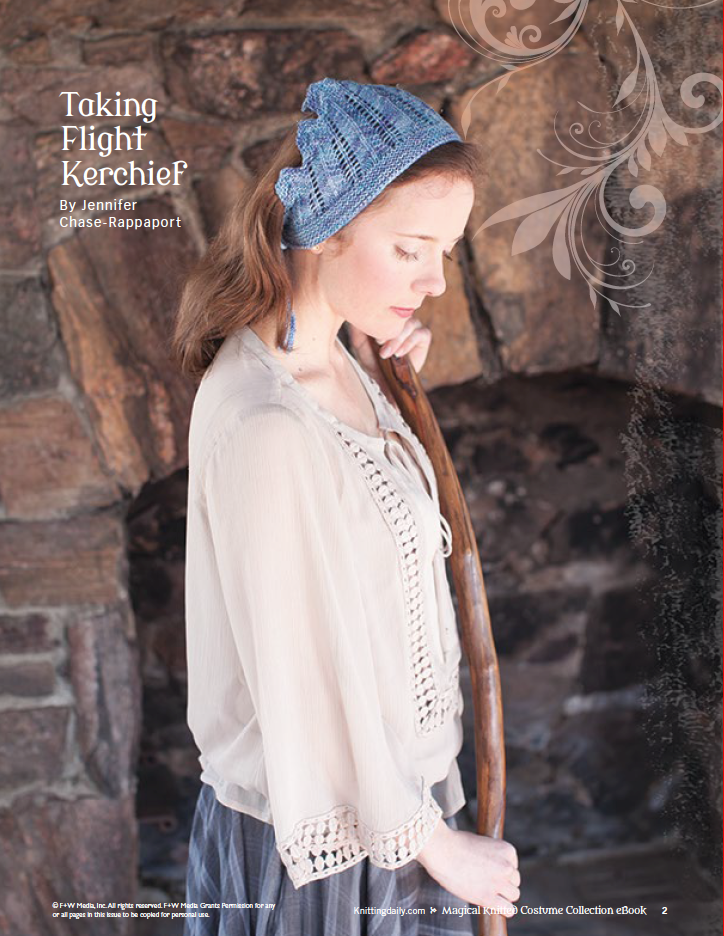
(513, 53)
(597, 161)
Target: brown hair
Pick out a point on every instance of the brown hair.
(243, 276)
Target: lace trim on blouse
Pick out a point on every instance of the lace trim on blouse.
(423, 457)
(419, 448)
(337, 840)
(432, 706)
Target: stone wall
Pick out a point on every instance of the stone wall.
(585, 437)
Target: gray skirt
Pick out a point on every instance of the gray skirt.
(233, 859)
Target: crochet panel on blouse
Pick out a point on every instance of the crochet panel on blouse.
(336, 840)
(419, 448)
(433, 704)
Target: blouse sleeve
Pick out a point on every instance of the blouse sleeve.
(340, 787)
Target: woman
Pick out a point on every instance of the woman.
(322, 646)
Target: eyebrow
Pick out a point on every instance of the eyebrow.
(425, 237)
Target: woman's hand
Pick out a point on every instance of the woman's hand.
(413, 341)
(476, 868)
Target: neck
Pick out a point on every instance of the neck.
(315, 349)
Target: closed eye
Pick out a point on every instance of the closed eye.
(404, 255)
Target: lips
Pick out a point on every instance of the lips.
(403, 313)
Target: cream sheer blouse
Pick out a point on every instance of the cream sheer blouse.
(323, 652)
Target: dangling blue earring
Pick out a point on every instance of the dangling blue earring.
(291, 327)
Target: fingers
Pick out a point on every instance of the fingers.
(510, 892)
(421, 337)
(413, 334)
(503, 906)
(409, 328)
(509, 879)
(510, 887)
(508, 853)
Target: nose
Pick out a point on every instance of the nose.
(432, 283)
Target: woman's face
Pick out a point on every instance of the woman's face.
(396, 255)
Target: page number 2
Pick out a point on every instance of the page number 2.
(664, 911)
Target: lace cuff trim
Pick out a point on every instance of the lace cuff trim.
(336, 840)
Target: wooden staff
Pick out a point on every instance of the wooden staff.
(477, 635)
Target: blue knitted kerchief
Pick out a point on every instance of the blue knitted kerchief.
(362, 138)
